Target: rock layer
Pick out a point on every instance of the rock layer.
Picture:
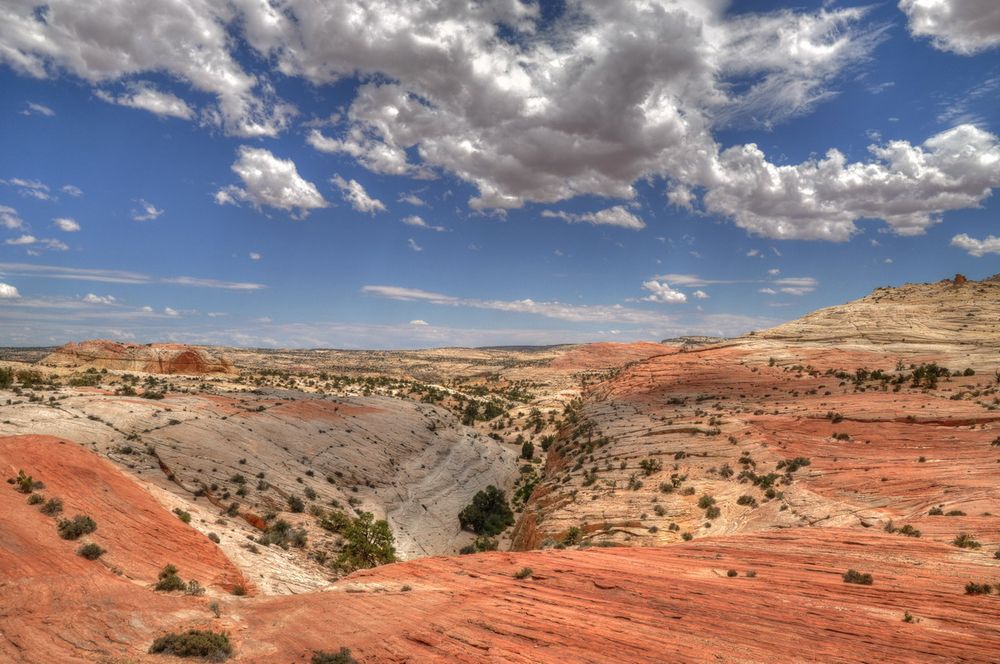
(147, 358)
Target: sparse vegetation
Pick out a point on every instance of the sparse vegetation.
(523, 573)
(488, 514)
(213, 646)
(860, 578)
(77, 527)
(342, 656)
(90, 551)
(169, 580)
(966, 541)
(367, 543)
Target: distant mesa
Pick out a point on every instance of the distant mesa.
(148, 358)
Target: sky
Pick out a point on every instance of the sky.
(362, 174)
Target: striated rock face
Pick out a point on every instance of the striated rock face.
(785, 602)
(148, 358)
(951, 311)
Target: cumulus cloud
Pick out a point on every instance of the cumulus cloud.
(71, 190)
(146, 211)
(418, 322)
(32, 108)
(272, 182)
(579, 313)
(700, 294)
(66, 224)
(9, 218)
(146, 97)
(171, 312)
(418, 222)
(412, 199)
(187, 40)
(21, 240)
(907, 186)
(965, 27)
(978, 248)
(91, 298)
(8, 292)
(618, 215)
(661, 292)
(355, 194)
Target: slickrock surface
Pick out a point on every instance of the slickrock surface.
(148, 358)
(408, 462)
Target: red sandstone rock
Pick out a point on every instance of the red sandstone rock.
(149, 358)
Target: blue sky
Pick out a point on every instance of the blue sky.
(350, 175)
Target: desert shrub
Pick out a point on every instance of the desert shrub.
(650, 466)
(26, 483)
(573, 536)
(935, 511)
(36, 498)
(182, 515)
(239, 590)
(954, 513)
(213, 646)
(488, 514)
(90, 551)
(78, 526)
(706, 501)
(973, 588)
(194, 588)
(367, 543)
(732, 573)
(854, 576)
(747, 499)
(713, 512)
(281, 533)
(342, 656)
(169, 580)
(335, 521)
(523, 573)
(6, 377)
(214, 537)
(726, 471)
(966, 541)
(296, 504)
(52, 507)
(794, 464)
(527, 450)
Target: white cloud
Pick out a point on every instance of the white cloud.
(171, 312)
(66, 224)
(978, 248)
(907, 186)
(38, 109)
(147, 309)
(661, 292)
(412, 244)
(71, 190)
(412, 199)
(254, 256)
(753, 253)
(767, 291)
(21, 240)
(374, 155)
(8, 292)
(774, 272)
(796, 285)
(418, 222)
(187, 40)
(29, 188)
(700, 294)
(569, 312)
(960, 26)
(91, 298)
(618, 215)
(54, 245)
(272, 182)
(146, 211)
(355, 194)
(116, 276)
(144, 96)
(9, 218)
(418, 322)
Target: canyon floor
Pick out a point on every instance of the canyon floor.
(692, 500)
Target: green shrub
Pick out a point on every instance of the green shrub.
(706, 501)
(168, 580)
(25, 483)
(488, 514)
(573, 536)
(713, 512)
(527, 450)
(296, 504)
(523, 573)
(342, 656)
(79, 525)
(973, 588)
(746, 499)
(213, 646)
(966, 541)
(52, 507)
(36, 498)
(732, 573)
(182, 515)
(854, 576)
(367, 543)
(90, 551)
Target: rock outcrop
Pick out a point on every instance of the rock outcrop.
(148, 358)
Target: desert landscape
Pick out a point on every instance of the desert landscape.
(831, 481)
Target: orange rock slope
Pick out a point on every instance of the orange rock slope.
(149, 358)
(787, 600)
